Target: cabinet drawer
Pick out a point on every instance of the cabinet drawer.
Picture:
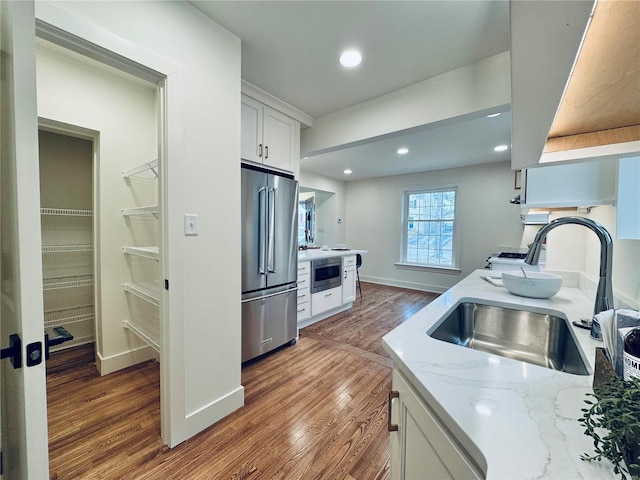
(349, 261)
(326, 300)
(304, 311)
(304, 268)
(304, 295)
(304, 281)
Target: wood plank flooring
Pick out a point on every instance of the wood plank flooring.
(316, 410)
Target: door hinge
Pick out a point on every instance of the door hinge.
(13, 351)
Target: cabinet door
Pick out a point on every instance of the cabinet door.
(570, 185)
(279, 135)
(348, 284)
(251, 129)
(421, 447)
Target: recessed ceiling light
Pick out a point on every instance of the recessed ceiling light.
(501, 148)
(493, 115)
(348, 171)
(402, 151)
(304, 158)
(350, 58)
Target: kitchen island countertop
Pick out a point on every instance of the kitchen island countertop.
(515, 419)
(315, 253)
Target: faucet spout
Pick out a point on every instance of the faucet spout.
(604, 293)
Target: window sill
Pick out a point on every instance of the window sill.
(428, 268)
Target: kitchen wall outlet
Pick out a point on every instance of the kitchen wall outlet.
(190, 224)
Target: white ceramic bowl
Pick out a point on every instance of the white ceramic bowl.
(534, 285)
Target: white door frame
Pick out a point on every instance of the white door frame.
(101, 46)
(24, 407)
(61, 128)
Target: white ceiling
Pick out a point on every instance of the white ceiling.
(291, 48)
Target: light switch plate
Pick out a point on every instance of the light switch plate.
(190, 224)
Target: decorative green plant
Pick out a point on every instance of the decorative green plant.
(617, 409)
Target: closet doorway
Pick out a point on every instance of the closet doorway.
(67, 226)
(101, 153)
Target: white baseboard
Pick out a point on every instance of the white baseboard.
(122, 360)
(403, 284)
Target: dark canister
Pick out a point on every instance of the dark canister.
(632, 354)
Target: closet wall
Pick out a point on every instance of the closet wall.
(66, 200)
(121, 109)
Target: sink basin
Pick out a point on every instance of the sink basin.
(535, 338)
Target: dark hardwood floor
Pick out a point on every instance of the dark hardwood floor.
(314, 410)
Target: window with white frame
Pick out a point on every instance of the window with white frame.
(429, 226)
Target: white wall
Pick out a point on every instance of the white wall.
(200, 367)
(465, 92)
(486, 221)
(123, 112)
(328, 207)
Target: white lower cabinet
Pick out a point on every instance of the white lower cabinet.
(348, 284)
(348, 278)
(326, 300)
(304, 292)
(304, 303)
(421, 446)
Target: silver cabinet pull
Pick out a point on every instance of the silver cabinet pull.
(259, 150)
(266, 151)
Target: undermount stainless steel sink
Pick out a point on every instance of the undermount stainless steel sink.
(536, 338)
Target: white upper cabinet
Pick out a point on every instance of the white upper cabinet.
(251, 129)
(572, 184)
(628, 214)
(269, 137)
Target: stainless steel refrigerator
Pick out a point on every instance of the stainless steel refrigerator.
(269, 260)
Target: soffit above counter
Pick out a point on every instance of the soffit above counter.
(597, 104)
(545, 38)
(601, 104)
(603, 92)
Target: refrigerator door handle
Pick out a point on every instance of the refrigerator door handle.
(262, 230)
(271, 248)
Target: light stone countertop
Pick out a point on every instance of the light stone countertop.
(316, 253)
(517, 420)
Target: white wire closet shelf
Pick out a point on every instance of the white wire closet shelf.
(64, 316)
(148, 329)
(149, 210)
(149, 166)
(147, 252)
(66, 212)
(147, 291)
(67, 248)
(57, 283)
